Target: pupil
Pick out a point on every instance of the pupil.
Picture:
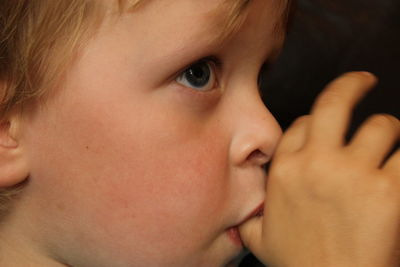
(198, 75)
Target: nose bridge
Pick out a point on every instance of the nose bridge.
(255, 129)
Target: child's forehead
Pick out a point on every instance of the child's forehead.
(225, 16)
(177, 32)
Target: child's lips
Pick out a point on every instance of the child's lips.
(234, 235)
(257, 212)
(233, 232)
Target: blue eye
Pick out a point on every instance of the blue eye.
(199, 76)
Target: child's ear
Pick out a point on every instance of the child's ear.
(13, 165)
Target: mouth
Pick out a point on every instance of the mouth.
(234, 236)
(233, 232)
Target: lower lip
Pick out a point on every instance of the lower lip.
(234, 235)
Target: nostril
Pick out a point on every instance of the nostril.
(255, 154)
(258, 157)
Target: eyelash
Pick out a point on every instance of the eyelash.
(216, 66)
(215, 60)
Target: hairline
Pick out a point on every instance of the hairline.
(238, 14)
(234, 19)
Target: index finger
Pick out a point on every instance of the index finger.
(332, 110)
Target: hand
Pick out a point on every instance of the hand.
(329, 203)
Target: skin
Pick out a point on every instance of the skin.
(128, 167)
(336, 203)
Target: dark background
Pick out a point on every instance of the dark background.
(326, 39)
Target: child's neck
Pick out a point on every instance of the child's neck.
(17, 250)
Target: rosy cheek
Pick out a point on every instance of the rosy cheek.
(170, 181)
(178, 185)
(134, 172)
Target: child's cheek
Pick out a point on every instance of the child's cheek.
(157, 187)
(128, 175)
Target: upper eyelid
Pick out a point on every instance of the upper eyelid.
(213, 59)
(216, 68)
(217, 62)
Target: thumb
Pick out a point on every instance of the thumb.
(251, 234)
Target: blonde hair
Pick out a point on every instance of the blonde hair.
(38, 39)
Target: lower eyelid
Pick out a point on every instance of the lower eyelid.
(199, 95)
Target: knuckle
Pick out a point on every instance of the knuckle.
(301, 120)
(280, 167)
(283, 168)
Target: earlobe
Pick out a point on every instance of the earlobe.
(13, 165)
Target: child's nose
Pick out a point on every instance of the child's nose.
(256, 132)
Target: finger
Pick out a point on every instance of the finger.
(375, 139)
(332, 109)
(251, 234)
(392, 165)
(293, 139)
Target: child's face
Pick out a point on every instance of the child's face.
(130, 166)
